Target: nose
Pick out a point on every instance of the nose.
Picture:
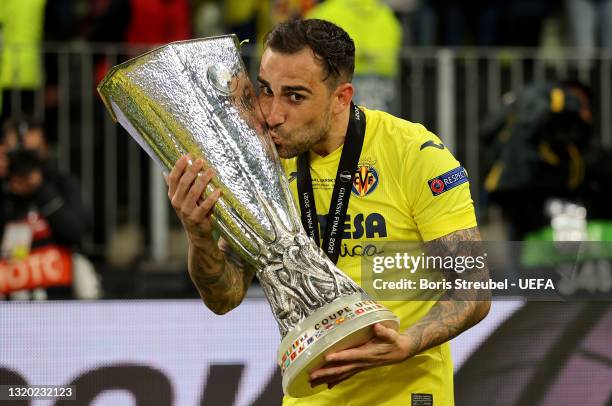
(274, 112)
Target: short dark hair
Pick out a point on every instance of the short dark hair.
(330, 43)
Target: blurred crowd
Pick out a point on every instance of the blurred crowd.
(42, 220)
(26, 24)
(424, 22)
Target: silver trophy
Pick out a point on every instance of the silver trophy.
(195, 97)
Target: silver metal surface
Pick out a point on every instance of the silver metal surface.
(195, 97)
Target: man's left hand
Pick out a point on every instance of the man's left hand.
(386, 347)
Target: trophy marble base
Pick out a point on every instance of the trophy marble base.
(344, 323)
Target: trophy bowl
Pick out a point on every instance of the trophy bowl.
(196, 97)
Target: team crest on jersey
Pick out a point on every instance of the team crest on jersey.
(365, 180)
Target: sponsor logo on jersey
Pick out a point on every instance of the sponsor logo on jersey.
(359, 227)
(292, 176)
(447, 181)
(371, 225)
(365, 180)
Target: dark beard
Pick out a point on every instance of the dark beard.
(290, 151)
(306, 143)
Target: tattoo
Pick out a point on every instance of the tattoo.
(457, 309)
(221, 279)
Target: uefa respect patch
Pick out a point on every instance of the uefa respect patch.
(448, 180)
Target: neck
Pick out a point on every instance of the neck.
(335, 135)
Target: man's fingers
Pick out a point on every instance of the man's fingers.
(385, 333)
(205, 178)
(367, 351)
(204, 209)
(185, 182)
(334, 375)
(361, 353)
(195, 192)
(175, 174)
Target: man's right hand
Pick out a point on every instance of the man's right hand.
(222, 284)
(186, 185)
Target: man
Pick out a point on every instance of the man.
(34, 193)
(21, 33)
(305, 94)
(32, 184)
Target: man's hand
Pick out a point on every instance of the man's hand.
(186, 184)
(25, 185)
(386, 347)
(455, 312)
(222, 284)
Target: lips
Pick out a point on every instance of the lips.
(275, 138)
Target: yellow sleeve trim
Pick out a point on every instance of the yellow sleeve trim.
(458, 221)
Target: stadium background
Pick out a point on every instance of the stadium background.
(147, 337)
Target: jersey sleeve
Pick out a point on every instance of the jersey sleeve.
(438, 188)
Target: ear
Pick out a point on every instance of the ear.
(342, 97)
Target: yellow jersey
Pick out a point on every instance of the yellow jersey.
(396, 196)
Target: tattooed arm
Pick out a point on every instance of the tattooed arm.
(220, 277)
(455, 312)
